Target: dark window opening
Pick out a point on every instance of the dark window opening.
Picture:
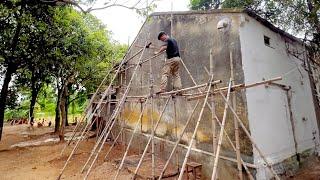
(266, 40)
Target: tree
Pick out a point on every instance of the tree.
(21, 24)
(204, 4)
(138, 5)
(299, 17)
(83, 51)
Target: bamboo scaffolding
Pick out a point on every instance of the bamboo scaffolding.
(215, 165)
(112, 118)
(195, 130)
(130, 141)
(84, 115)
(120, 133)
(150, 138)
(86, 129)
(178, 141)
(250, 138)
(250, 165)
(229, 139)
(212, 108)
(236, 125)
(103, 134)
(234, 148)
(90, 119)
(149, 98)
(236, 87)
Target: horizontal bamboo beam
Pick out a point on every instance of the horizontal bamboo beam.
(153, 47)
(235, 88)
(189, 88)
(194, 149)
(143, 61)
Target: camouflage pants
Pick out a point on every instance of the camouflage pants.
(171, 67)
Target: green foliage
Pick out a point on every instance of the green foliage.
(236, 3)
(296, 16)
(204, 4)
(54, 44)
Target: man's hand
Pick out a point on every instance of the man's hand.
(156, 52)
(148, 45)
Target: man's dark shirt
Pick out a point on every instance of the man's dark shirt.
(172, 48)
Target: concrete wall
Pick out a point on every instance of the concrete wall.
(268, 108)
(196, 34)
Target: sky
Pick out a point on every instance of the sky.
(125, 24)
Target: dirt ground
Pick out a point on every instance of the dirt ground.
(38, 162)
(44, 161)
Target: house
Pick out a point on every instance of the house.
(282, 117)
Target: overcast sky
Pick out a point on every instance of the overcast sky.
(125, 23)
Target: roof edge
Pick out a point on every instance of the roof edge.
(237, 10)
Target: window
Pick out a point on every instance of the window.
(266, 40)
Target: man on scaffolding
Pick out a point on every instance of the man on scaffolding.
(171, 66)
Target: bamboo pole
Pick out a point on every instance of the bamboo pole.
(114, 115)
(120, 133)
(143, 61)
(213, 110)
(250, 138)
(141, 90)
(236, 125)
(152, 120)
(195, 131)
(113, 119)
(188, 72)
(237, 87)
(130, 141)
(215, 165)
(178, 141)
(150, 138)
(176, 131)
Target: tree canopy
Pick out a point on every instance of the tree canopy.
(54, 51)
(301, 18)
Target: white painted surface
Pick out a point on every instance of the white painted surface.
(268, 113)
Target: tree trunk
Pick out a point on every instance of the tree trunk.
(57, 118)
(62, 107)
(34, 94)
(66, 109)
(12, 67)
(3, 95)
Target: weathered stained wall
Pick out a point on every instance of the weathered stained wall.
(196, 34)
(268, 108)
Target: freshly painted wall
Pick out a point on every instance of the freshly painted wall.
(268, 110)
